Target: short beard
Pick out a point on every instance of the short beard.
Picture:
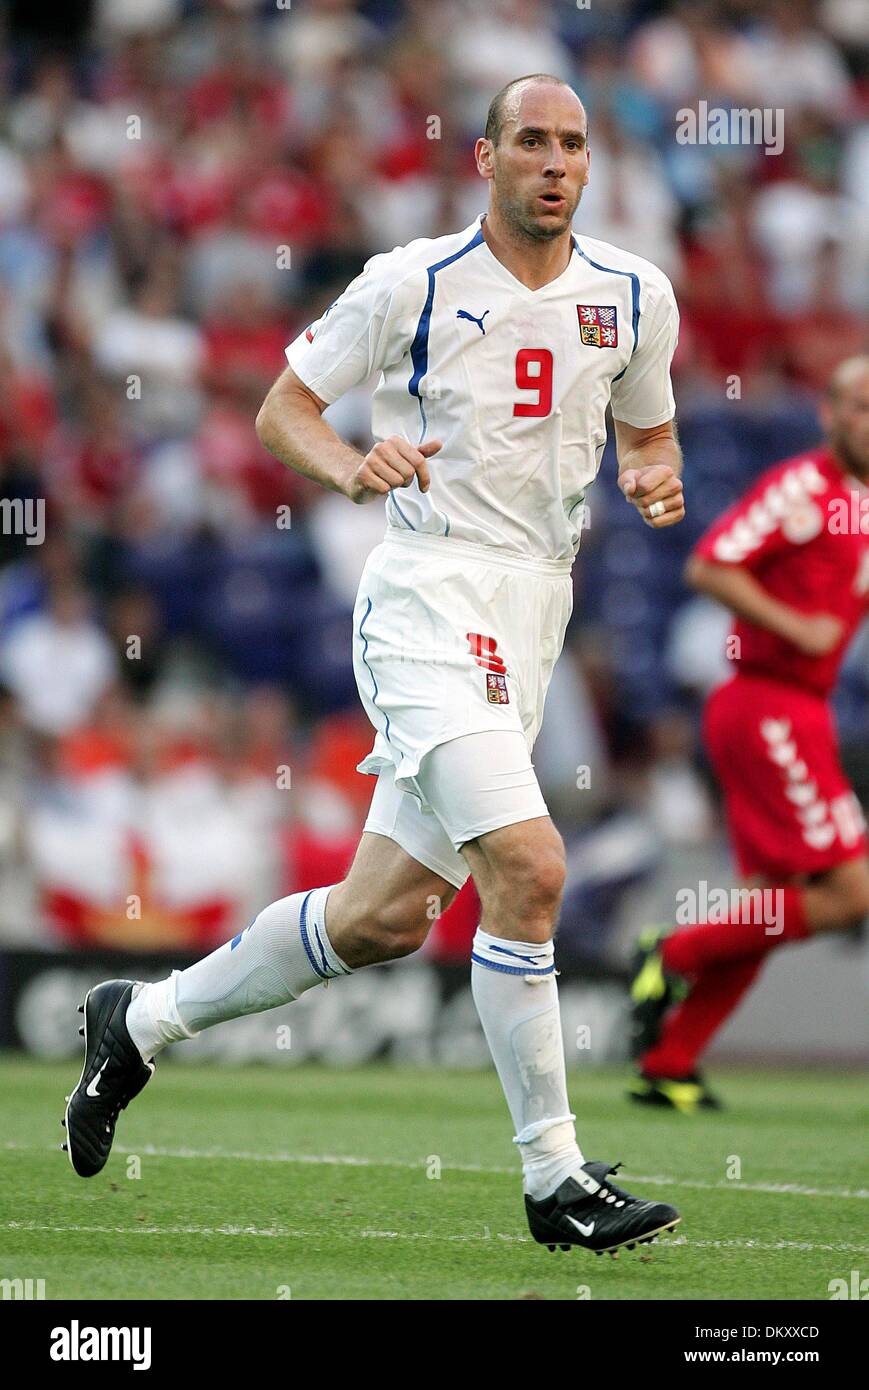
(523, 226)
(852, 461)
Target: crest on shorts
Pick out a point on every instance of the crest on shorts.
(496, 689)
(598, 325)
(484, 650)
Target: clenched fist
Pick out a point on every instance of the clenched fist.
(392, 463)
(656, 492)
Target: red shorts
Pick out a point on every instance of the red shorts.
(790, 808)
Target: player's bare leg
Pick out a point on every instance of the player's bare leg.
(519, 874)
(705, 970)
(839, 899)
(381, 911)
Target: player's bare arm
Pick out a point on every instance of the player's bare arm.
(650, 467)
(290, 426)
(736, 588)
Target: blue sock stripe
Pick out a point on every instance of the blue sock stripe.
(517, 955)
(303, 929)
(511, 969)
(236, 939)
(325, 959)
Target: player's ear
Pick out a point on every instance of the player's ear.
(484, 153)
(587, 165)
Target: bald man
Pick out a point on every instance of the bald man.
(498, 350)
(791, 561)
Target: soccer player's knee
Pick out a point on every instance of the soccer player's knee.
(398, 927)
(856, 903)
(537, 881)
(548, 879)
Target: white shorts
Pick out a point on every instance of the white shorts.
(464, 789)
(449, 641)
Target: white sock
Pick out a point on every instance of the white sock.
(284, 952)
(513, 983)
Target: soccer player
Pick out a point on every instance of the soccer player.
(791, 559)
(498, 350)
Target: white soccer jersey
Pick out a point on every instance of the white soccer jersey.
(514, 381)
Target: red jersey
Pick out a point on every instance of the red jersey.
(803, 532)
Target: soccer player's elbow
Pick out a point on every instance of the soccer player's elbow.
(262, 424)
(696, 573)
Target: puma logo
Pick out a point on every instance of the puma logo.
(463, 314)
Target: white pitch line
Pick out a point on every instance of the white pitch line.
(270, 1232)
(273, 1233)
(484, 1237)
(773, 1189)
(839, 1246)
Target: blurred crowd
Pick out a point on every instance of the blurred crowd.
(184, 184)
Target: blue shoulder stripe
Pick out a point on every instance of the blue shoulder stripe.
(635, 297)
(419, 347)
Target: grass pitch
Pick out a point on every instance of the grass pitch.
(311, 1183)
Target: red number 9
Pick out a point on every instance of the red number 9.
(534, 373)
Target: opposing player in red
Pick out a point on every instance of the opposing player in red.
(791, 559)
